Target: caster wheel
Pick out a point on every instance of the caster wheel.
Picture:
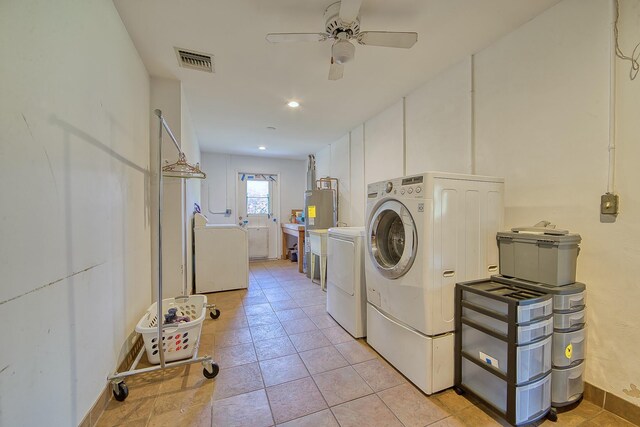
(214, 371)
(215, 313)
(553, 415)
(120, 392)
(458, 391)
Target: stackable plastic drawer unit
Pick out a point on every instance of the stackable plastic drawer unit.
(503, 348)
(569, 338)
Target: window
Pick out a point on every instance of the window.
(257, 197)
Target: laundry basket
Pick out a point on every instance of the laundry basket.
(180, 339)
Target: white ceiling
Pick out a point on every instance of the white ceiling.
(254, 79)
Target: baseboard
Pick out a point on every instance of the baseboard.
(612, 403)
(91, 419)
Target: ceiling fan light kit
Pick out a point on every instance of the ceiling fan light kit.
(343, 51)
(342, 24)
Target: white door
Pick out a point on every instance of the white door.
(258, 242)
(258, 201)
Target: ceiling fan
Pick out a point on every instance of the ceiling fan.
(342, 25)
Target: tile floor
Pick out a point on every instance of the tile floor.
(284, 361)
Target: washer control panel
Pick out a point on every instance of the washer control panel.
(412, 187)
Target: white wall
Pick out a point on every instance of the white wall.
(179, 196)
(384, 145)
(323, 162)
(344, 159)
(191, 147)
(74, 217)
(438, 123)
(347, 157)
(540, 118)
(542, 123)
(166, 96)
(617, 332)
(356, 177)
(219, 189)
(340, 167)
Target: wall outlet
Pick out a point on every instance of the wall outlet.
(609, 204)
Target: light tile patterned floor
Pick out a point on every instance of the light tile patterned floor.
(284, 361)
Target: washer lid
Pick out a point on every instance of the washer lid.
(392, 240)
(347, 231)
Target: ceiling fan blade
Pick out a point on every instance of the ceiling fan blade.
(349, 10)
(387, 39)
(335, 70)
(295, 37)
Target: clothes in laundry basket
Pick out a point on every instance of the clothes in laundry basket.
(172, 317)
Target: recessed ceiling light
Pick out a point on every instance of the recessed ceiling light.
(293, 104)
(262, 147)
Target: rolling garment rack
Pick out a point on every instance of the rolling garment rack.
(181, 169)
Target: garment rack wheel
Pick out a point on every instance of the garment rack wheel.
(210, 369)
(213, 311)
(120, 390)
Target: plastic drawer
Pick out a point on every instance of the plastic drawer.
(569, 320)
(568, 347)
(531, 400)
(567, 385)
(526, 313)
(532, 359)
(525, 333)
(569, 302)
(534, 331)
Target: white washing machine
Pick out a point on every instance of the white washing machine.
(346, 290)
(425, 233)
(221, 256)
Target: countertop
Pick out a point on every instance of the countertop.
(292, 226)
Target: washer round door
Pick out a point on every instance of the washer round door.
(392, 239)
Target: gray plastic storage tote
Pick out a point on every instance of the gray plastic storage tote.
(539, 256)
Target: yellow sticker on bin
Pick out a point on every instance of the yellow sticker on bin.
(312, 211)
(568, 351)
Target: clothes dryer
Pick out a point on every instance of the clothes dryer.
(425, 233)
(346, 290)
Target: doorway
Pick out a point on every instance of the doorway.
(258, 210)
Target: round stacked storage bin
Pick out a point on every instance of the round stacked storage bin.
(569, 339)
(544, 259)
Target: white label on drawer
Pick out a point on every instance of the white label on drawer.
(489, 360)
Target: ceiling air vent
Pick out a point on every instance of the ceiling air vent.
(195, 60)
